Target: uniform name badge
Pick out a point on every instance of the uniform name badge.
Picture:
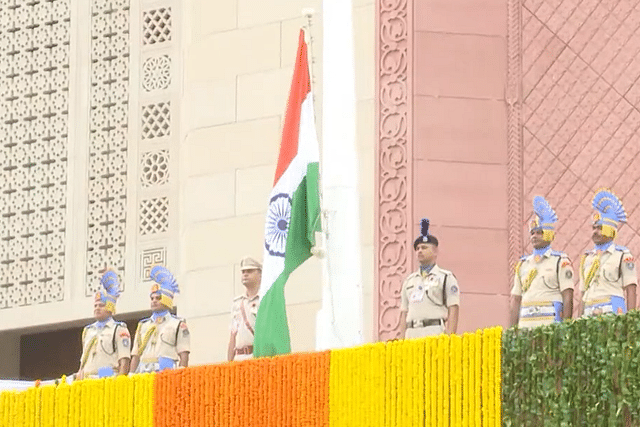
(417, 295)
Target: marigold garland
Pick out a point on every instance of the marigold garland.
(428, 373)
(433, 385)
(498, 377)
(290, 390)
(456, 381)
(485, 378)
(478, 380)
(435, 381)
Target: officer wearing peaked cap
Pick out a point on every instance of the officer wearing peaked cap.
(162, 341)
(106, 342)
(244, 312)
(542, 291)
(430, 297)
(608, 275)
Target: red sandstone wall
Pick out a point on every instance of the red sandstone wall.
(580, 118)
(460, 147)
(485, 104)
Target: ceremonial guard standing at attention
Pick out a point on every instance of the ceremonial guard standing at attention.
(608, 275)
(542, 291)
(162, 340)
(105, 343)
(244, 311)
(430, 297)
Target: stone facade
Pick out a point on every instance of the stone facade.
(149, 134)
(153, 139)
(238, 68)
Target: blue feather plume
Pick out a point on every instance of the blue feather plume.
(164, 278)
(110, 283)
(609, 205)
(544, 211)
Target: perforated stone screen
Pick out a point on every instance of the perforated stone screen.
(156, 25)
(34, 88)
(156, 73)
(108, 142)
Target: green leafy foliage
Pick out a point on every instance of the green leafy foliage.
(584, 372)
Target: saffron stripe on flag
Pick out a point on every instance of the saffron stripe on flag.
(293, 214)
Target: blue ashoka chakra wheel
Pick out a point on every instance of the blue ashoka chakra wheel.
(277, 224)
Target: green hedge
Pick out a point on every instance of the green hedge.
(584, 372)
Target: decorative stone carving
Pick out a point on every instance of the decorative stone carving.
(34, 83)
(155, 168)
(156, 120)
(108, 143)
(150, 258)
(156, 73)
(394, 151)
(154, 215)
(156, 26)
(514, 137)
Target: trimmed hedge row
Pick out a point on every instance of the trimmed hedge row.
(583, 372)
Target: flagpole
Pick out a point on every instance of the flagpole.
(340, 320)
(308, 14)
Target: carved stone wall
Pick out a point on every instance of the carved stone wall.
(158, 135)
(108, 140)
(393, 162)
(580, 113)
(514, 131)
(34, 88)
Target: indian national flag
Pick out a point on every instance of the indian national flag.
(293, 215)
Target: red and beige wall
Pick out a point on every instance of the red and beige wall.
(482, 106)
(465, 111)
(442, 151)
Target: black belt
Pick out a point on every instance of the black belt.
(422, 323)
(245, 350)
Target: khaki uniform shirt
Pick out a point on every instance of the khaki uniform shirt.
(617, 270)
(245, 335)
(428, 298)
(98, 349)
(167, 336)
(540, 281)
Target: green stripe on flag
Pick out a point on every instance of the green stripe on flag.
(272, 328)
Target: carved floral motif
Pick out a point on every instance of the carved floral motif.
(514, 136)
(393, 216)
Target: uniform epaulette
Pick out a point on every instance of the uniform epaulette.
(238, 297)
(621, 248)
(89, 325)
(446, 272)
(176, 317)
(414, 274)
(524, 257)
(558, 253)
(121, 323)
(145, 320)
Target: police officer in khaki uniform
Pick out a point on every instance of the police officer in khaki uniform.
(608, 275)
(430, 296)
(162, 341)
(244, 311)
(105, 343)
(542, 291)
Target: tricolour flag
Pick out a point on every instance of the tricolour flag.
(293, 215)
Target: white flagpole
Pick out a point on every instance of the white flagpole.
(340, 320)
